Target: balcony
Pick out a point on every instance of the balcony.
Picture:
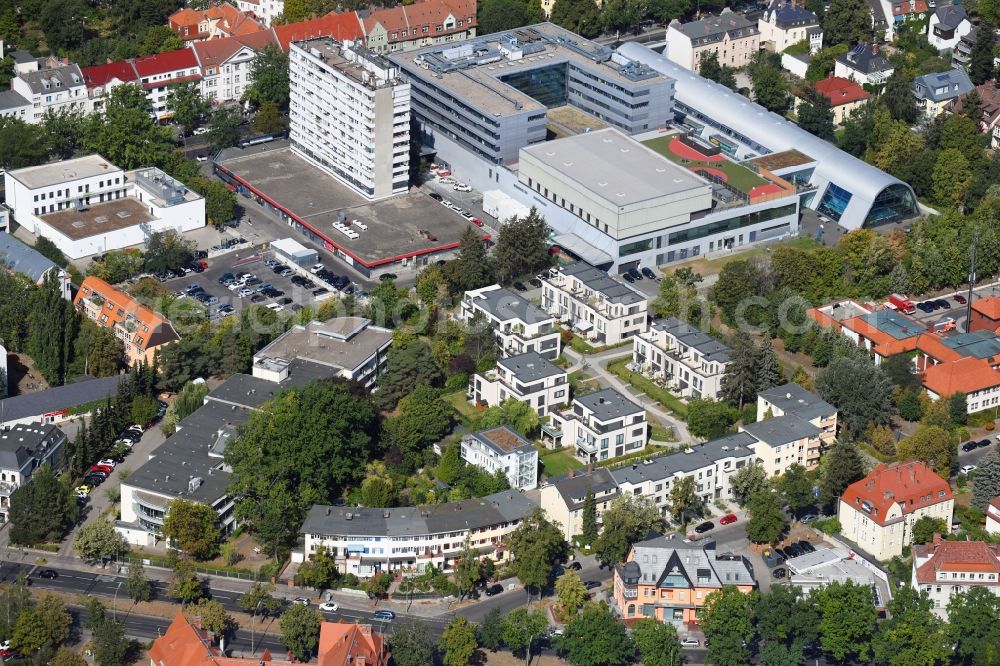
(7, 488)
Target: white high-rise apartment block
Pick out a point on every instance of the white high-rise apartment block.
(350, 115)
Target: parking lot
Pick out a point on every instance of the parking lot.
(955, 309)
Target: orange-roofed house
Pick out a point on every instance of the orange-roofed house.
(141, 330)
(985, 314)
(225, 64)
(883, 333)
(343, 644)
(943, 568)
(421, 24)
(966, 363)
(342, 27)
(844, 95)
(221, 20)
(878, 512)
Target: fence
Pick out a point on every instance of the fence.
(158, 562)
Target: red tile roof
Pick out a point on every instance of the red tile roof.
(430, 13)
(883, 344)
(905, 8)
(99, 75)
(966, 375)
(989, 307)
(958, 557)
(913, 485)
(214, 52)
(342, 27)
(228, 19)
(164, 63)
(342, 644)
(841, 91)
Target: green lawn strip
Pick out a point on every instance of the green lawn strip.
(467, 413)
(557, 463)
(650, 388)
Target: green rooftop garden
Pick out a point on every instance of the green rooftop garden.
(740, 177)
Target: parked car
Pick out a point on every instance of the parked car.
(436, 196)
(970, 446)
(317, 268)
(198, 131)
(968, 468)
(535, 282)
(704, 527)
(258, 298)
(943, 303)
(82, 491)
(960, 299)
(102, 468)
(227, 278)
(284, 301)
(806, 546)
(320, 291)
(48, 574)
(573, 566)
(808, 518)
(328, 606)
(461, 187)
(628, 278)
(636, 275)
(727, 519)
(520, 286)
(690, 642)
(592, 584)
(648, 272)
(196, 266)
(384, 615)
(494, 589)
(982, 443)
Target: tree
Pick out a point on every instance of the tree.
(912, 634)
(502, 15)
(185, 586)
(110, 644)
(320, 572)
(846, 22)
(786, 616)
(167, 249)
(958, 408)
(986, 484)
(94, 612)
(843, 467)
(768, 521)
(67, 657)
(770, 89)
(259, 600)
(43, 510)
(468, 571)
(910, 407)
(411, 645)
(300, 630)
(269, 73)
(898, 98)
(377, 491)
(972, 622)
(657, 642)
(748, 482)
(42, 627)
(710, 68)
(882, 440)
(926, 527)
(490, 631)
(737, 282)
(409, 365)
(471, 269)
(933, 445)
(187, 400)
(62, 21)
(193, 528)
(767, 367)
(683, 499)
(579, 16)
(981, 67)
(220, 201)
(859, 390)
(816, 115)
(951, 177)
(136, 585)
(522, 247)
(102, 353)
(160, 39)
(709, 419)
(899, 369)
(269, 119)
(589, 530)
(98, 540)
(726, 621)
(595, 637)
(458, 642)
(847, 620)
(51, 329)
(223, 129)
(571, 592)
(213, 616)
(519, 416)
(739, 384)
(796, 487)
(377, 586)
(424, 418)
(144, 409)
(521, 628)
(124, 132)
(627, 520)
(188, 107)
(537, 545)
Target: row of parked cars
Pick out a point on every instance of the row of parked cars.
(935, 304)
(104, 468)
(466, 215)
(634, 274)
(972, 445)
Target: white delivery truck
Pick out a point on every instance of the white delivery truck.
(502, 206)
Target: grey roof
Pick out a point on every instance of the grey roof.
(25, 441)
(608, 404)
(598, 280)
(410, 521)
(191, 453)
(866, 59)
(249, 391)
(878, 14)
(11, 99)
(64, 171)
(345, 342)
(83, 391)
(941, 86)
(20, 56)
(630, 172)
(503, 440)
(712, 28)
(782, 429)
(22, 259)
(793, 399)
(699, 456)
(950, 16)
(693, 337)
(53, 79)
(573, 489)
(787, 14)
(505, 305)
(775, 133)
(667, 561)
(530, 367)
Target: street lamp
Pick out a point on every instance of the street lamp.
(253, 622)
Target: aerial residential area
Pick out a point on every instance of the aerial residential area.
(487, 332)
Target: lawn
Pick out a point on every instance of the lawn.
(466, 411)
(650, 388)
(557, 463)
(737, 175)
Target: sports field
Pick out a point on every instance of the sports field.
(738, 176)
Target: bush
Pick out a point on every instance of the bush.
(567, 336)
(457, 382)
(830, 526)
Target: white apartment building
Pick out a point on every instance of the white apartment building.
(730, 36)
(591, 302)
(366, 542)
(350, 115)
(13, 105)
(225, 64)
(692, 362)
(793, 426)
(784, 23)
(562, 498)
(879, 511)
(503, 449)
(23, 449)
(265, 10)
(158, 73)
(600, 425)
(943, 568)
(526, 378)
(53, 89)
(520, 325)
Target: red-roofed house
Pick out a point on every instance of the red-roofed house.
(158, 72)
(424, 23)
(101, 79)
(225, 64)
(844, 95)
(342, 27)
(993, 516)
(962, 362)
(222, 20)
(342, 644)
(943, 568)
(985, 314)
(878, 512)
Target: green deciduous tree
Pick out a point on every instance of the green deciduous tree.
(193, 528)
(269, 119)
(859, 390)
(259, 600)
(124, 132)
(223, 129)
(847, 620)
(768, 521)
(471, 269)
(796, 487)
(188, 107)
(846, 22)
(571, 592)
(629, 519)
(710, 68)
(424, 418)
(786, 616)
(458, 642)
(958, 408)
(899, 369)
(683, 499)
(97, 540)
(951, 177)
(300, 630)
(269, 73)
(933, 445)
(748, 482)
(43, 510)
(110, 643)
(657, 642)
(468, 571)
(521, 628)
(537, 546)
(519, 416)
(409, 365)
(65, 656)
(220, 201)
(926, 527)
(972, 622)
(160, 39)
(21, 145)
(738, 281)
(580, 16)
(726, 621)
(770, 89)
(489, 633)
(185, 586)
(42, 628)
(843, 467)
(709, 419)
(63, 23)
(816, 115)
(213, 616)
(137, 586)
(912, 635)
(595, 637)
(412, 644)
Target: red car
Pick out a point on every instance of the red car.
(960, 299)
(476, 221)
(102, 468)
(727, 519)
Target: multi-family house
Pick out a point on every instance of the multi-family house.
(57, 89)
(503, 449)
(23, 449)
(225, 64)
(17, 257)
(864, 64)
(562, 498)
(590, 301)
(944, 568)
(962, 53)
(993, 516)
(691, 362)
(985, 314)
(879, 511)
(730, 36)
(947, 25)
(141, 330)
(527, 378)
(520, 325)
(843, 94)
(264, 11)
(888, 15)
(935, 92)
(424, 23)
(966, 363)
(785, 22)
(344, 28)
(102, 79)
(600, 425)
(213, 22)
(668, 579)
(793, 426)
(989, 97)
(157, 73)
(14, 105)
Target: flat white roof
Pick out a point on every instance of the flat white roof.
(291, 247)
(615, 167)
(63, 172)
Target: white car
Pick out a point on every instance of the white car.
(246, 292)
(199, 131)
(107, 462)
(137, 428)
(5, 645)
(968, 468)
(202, 158)
(236, 286)
(461, 187)
(328, 606)
(690, 642)
(316, 269)
(302, 600)
(275, 307)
